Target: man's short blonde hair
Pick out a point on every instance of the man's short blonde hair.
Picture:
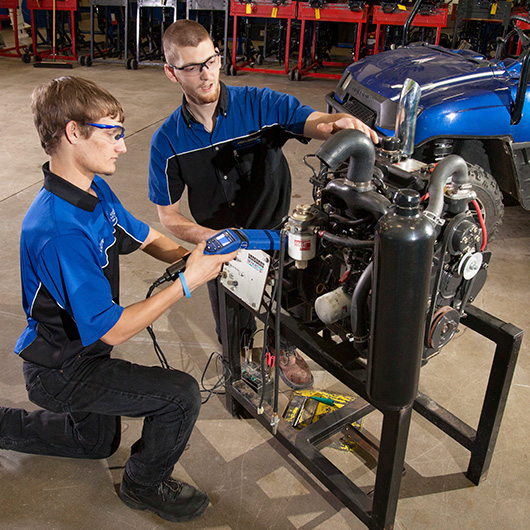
(65, 99)
(181, 34)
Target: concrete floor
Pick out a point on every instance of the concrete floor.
(252, 481)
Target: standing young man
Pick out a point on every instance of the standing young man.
(72, 236)
(224, 144)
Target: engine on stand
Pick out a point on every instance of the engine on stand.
(331, 242)
(372, 279)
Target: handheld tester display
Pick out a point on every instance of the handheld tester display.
(230, 239)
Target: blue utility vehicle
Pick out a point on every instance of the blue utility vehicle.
(469, 106)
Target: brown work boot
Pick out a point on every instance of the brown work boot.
(293, 369)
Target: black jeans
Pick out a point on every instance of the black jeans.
(83, 402)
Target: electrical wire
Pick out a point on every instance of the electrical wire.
(158, 350)
(482, 225)
(222, 378)
(279, 279)
(265, 345)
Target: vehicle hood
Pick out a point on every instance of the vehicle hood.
(461, 93)
(433, 67)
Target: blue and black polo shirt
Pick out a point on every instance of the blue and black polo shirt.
(69, 258)
(236, 175)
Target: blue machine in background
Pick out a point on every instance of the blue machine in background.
(470, 106)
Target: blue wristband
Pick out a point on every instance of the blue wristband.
(185, 287)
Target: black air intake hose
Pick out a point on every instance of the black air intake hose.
(349, 144)
(345, 241)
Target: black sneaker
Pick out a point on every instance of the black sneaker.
(172, 500)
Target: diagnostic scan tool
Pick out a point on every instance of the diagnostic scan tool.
(231, 239)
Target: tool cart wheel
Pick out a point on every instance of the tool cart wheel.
(230, 70)
(85, 60)
(131, 64)
(290, 75)
(259, 59)
(26, 58)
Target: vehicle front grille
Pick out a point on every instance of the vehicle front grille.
(360, 111)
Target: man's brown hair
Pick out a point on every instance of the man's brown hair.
(183, 33)
(66, 99)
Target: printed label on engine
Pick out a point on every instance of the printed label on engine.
(303, 244)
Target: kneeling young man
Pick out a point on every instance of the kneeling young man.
(72, 237)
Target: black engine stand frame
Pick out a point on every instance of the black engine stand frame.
(376, 510)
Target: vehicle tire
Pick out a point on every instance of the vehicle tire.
(489, 198)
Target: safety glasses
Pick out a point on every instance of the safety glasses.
(194, 69)
(118, 131)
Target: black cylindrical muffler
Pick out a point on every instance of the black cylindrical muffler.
(402, 269)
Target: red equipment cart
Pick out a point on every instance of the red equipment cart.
(54, 5)
(16, 50)
(436, 19)
(329, 13)
(261, 9)
(520, 24)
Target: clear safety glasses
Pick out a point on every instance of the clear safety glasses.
(194, 69)
(116, 132)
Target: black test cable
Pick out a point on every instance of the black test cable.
(278, 286)
(276, 296)
(171, 274)
(265, 347)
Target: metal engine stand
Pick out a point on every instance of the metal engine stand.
(378, 509)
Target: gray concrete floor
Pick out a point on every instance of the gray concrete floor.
(252, 481)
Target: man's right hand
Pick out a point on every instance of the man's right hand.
(201, 267)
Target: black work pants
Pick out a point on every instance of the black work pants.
(82, 403)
